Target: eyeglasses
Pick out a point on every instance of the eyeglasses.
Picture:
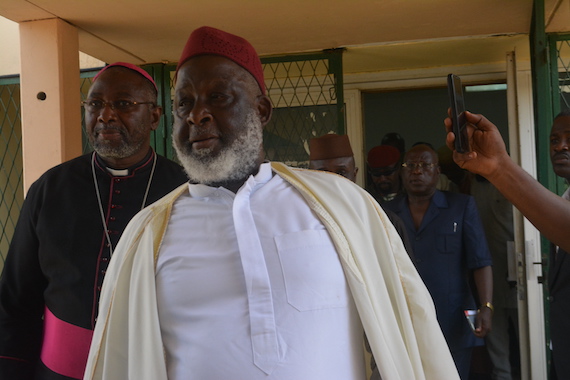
(418, 165)
(116, 105)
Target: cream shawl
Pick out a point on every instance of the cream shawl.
(393, 303)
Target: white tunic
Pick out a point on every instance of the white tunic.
(249, 286)
(394, 305)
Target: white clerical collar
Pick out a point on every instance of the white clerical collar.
(198, 190)
(118, 172)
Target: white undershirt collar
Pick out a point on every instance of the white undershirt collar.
(198, 190)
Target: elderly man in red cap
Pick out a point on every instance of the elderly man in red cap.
(332, 153)
(256, 270)
(383, 165)
(69, 226)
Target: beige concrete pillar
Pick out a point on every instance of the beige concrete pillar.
(51, 114)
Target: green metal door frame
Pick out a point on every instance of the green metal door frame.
(541, 56)
(161, 138)
(544, 56)
(546, 92)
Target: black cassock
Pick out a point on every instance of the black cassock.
(58, 258)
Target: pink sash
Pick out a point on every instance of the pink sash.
(65, 346)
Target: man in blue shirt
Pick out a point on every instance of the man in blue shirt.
(450, 249)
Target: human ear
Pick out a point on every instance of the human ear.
(264, 108)
(155, 115)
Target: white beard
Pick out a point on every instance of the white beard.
(234, 162)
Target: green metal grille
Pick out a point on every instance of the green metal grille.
(11, 187)
(563, 58)
(86, 78)
(306, 92)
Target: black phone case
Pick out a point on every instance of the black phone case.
(457, 103)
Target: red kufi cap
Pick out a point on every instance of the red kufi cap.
(383, 155)
(208, 40)
(128, 66)
(329, 146)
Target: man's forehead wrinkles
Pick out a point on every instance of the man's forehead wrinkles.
(221, 83)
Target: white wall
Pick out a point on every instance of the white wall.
(10, 53)
(10, 42)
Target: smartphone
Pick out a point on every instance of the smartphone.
(457, 103)
(470, 315)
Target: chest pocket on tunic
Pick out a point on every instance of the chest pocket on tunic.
(313, 275)
(448, 243)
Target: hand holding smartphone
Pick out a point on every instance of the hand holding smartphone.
(457, 104)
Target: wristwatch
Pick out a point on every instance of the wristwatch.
(488, 305)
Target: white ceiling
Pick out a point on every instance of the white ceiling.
(385, 33)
